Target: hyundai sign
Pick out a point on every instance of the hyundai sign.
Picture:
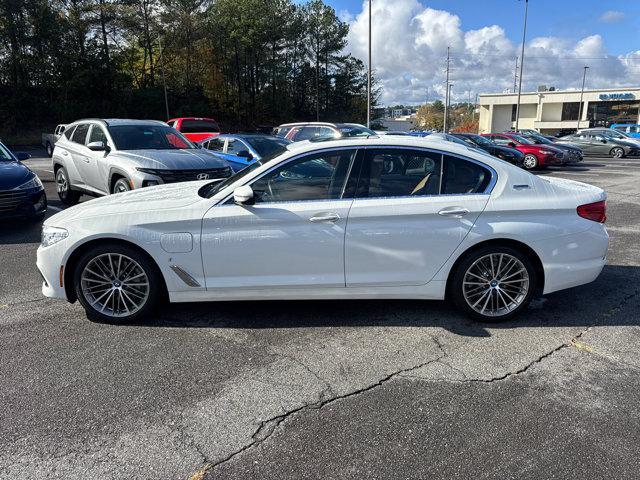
(616, 96)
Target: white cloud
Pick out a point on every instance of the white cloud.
(612, 16)
(410, 42)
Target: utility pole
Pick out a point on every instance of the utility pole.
(369, 74)
(515, 76)
(446, 96)
(449, 106)
(164, 82)
(524, 37)
(584, 76)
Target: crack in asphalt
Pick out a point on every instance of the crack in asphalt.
(268, 427)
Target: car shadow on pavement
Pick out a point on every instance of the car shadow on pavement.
(598, 303)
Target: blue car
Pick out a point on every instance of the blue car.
(242, 149)
(21, 191)
(631, 129)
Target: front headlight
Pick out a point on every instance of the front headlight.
(547, 152)
(33, 183)
(51, 235)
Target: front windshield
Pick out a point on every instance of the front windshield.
(480, 140)
(523, 140)
(539, 139)
(355, 131)
(268, 147)
(5, 155)
(148, 137)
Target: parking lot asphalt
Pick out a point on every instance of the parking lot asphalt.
(349, 389)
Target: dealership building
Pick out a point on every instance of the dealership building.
(552, 111)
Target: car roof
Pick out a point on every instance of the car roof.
(192, 118)
(119, 121)
(326, 124)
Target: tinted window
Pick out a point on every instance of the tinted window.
(268, 146)
(199, 126)
(235, 146)
(633, 129)
(399, 173)
(147, 137)
(69, 131)
(315, 177)
(306, 133)
(327, 132)
(462, 176)
(97, 135)
(502, 140)
(354, 131)
(216, 144)
(80, 134)
(5, 155)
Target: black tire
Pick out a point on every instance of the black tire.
(617, 152)
(155, 292)
(457, 295)
(121, 185)
(530, 162)
(49, 149)
(63, 185)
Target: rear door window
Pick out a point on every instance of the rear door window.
(463, 177)
(80, 134)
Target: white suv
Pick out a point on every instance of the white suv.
(99, 157)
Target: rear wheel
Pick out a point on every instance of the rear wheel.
(617, 152)
(530, 161)
(63, 187)
(117, 284)
(493, 283)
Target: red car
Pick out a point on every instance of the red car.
(535, 155)
(194, 128)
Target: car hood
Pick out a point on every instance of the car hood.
(162, 197)
(566, 146)
(13, 174)
(186, 159)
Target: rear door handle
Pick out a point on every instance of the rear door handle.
(329, 217)
(453, 212)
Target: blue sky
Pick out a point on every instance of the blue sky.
(410, 40)
(573, 19)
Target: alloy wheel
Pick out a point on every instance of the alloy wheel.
(62, 185)
(617, 153)
(495, 284)
(115, 285)
(530, 161)
(122, 185)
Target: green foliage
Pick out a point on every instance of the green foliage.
(244, 62)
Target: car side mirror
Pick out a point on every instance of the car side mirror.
(98, 147)
(244, 154)
(511, 144)
(244, 195)
(604, 140)
(21, 156)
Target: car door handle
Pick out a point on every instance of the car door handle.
(453, 212)
(329, 217)
(86, 160)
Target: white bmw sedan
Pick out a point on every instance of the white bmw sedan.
(362, 218)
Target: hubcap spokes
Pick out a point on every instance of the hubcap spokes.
(61, 183)
(115, 285)
(496, 284)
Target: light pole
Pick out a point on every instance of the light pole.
(524, 36)
(584, 76)
(369, 74)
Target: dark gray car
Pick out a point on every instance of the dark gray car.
(592, 143)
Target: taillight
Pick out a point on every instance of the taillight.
(596, 211)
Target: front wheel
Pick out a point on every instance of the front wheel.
(530, 161)
(117, 283)
(617, 152)
(121, 185)
(493, 283)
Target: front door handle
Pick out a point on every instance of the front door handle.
(86, 160)
(329, 217)
(454, 212)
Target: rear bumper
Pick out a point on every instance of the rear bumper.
(574, 259)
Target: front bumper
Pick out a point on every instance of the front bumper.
(22, 203)
(50, 262)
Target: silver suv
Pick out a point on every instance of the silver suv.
(99, 157)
